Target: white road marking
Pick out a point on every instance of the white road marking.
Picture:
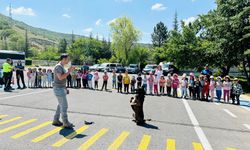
(247, 126)
(230, 113)
(203, 139)
(14, 96)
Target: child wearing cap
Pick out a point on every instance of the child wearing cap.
(156, 82)
(114, 80)
(218, 86)
(212, 87)
(96, 79)
(162, 84)
(105, 81)
(175, 85)
(236, 91)
(197, 85)
(184, 85)
(145, 83)
(78, 78)
(89, 78)
(119, 82)
(132, 84)
(226, 89)
(205, 91)
(151, 82)
(169, 84)
(191, 86)
(126, 82)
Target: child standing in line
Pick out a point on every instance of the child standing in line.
(74, 77)
(84, 79)
(105, 81)
(96, 79)
(133, 82)
(1, 78)
(191, 86)
(139, 81)
(156, 82)
(162, 85)
(218, 86)
(151, 83)
(119, 82)
(212, 87)
(49, 74)
(236, 91)
(33, 78)
(201, 87)
(44, 78)
(78, 79)
(69, 81)
(144, 83)
(126, 82)
(114, 80)
(175, 85)
(184, 85)
(39, 78)
(89, 77)
(29, 75)
(205, 91)
(169, 84)
(197, 86)
(226, 89)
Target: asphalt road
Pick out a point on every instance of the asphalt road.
(176, 123)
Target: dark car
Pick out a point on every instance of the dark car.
(120, 68)
(133, 68)
(149, 68)
(169, 68)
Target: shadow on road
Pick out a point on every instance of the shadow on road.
(149, 126)
(66, 132)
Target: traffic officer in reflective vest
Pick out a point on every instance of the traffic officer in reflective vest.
(7, 69)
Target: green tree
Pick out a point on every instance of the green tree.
(175, 22)
(62, 46)
(160, 35)
(124, 36)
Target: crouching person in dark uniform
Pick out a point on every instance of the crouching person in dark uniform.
(137, 106)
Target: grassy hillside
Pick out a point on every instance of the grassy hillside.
(12, 32)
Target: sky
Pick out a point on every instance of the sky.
(94, 16)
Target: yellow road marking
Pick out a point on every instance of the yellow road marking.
(197, 146)
(18, 135)
(93, 139)
(231, 148)
(170, 144)
(44, 136)
(10, 120)
(121, 138)
(144, 142)
(2, 116)
(70, 136)
(17, 125)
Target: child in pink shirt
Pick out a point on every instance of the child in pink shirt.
(151, 82)
(162, 84)
(156, 82)
(212, 87)
(175, 85)
(78, 79)
(29, 75)
(96, 78)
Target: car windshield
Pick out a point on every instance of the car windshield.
(132, 66)
(96, 65)
(103, 65)
(149, 67)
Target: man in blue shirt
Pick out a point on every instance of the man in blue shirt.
(19, 74)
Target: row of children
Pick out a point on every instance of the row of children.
(39, 78)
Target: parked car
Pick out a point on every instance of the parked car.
(133, 68)
(120, 68)
(149, 68)
(94, 67)
(168, 68)
(108, 67)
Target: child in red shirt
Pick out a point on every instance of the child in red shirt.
(105, 80)
(175, 85)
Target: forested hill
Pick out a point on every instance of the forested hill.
(13, 34)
